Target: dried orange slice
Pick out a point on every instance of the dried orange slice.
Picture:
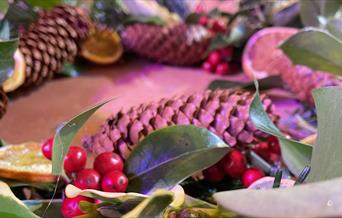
(25, 162)
(18, 76)
(262, 56)
(102, 47)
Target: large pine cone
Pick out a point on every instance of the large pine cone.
(51, 42)
(3, 102)
(301, 80)
(223, 112)
(177, 44)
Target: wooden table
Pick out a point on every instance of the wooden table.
(35, 116)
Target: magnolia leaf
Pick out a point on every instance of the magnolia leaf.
(334, 26)
(44, 4)
(152, 206)
(3, 8)
(296, 155)
(72, 191)
(315, 48)
(322, 199)
(169, 155)
(313, 11)
(326, 160)
(65, 134)
(11, 206)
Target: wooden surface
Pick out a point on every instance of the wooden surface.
(36, 115)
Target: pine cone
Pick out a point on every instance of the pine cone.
(223, 112)
(178, 44)
(3, 102)
(301, 80)
(52, 41)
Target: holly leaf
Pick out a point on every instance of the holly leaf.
(316, 49)
(321, 199)
(11, 206)
(65, 134)
(296, 155)
(326, 162)
(169, 155)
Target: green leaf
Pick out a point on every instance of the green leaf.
(152, 206)
(169, 155)
(326, 160)
(69, 70)
(3, 8)
(334, 26)
(72, 191)
(11, 206)
(153, 20)
(39, 206)
(65, 134)
(315, 12)
(320, 199)
(7, 49)
(265, 83)
(192, 18)
(44, 4)
(315, 48)
(296, 155)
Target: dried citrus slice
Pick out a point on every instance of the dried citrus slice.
(18, 76)
(262, 56)
(25, 162)
(102, 47)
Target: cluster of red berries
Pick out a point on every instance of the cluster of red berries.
(269, 150)
(216, 25)
(217, 61)
(106, 174)
(233, 165)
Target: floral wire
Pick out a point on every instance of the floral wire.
(277, 178)
(302, 176)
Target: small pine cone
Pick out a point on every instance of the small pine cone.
(301, 80)
(223, 112)
(52, 41)
(3, 102)
(178, 44)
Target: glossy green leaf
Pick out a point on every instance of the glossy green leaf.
(169, 155)
(65, 135)
(296, 155)
(11, 206)
(154, 20)
(152, 206)
(322, 199)
(44, 3)
(326, 160)
(69, 70)
(315, 48)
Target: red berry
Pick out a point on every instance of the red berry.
(273, 144)
(107, 162)
(251, 175)
(234, 163)
(222, 68)
(203, 20)
(114, 181)
(213, 174)
(47, 148)
(87, 179)
(70, 206)
(75, 160)
(263, 150)
(218, 26)
(214, 58)
(207, 67)
(226, 52)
